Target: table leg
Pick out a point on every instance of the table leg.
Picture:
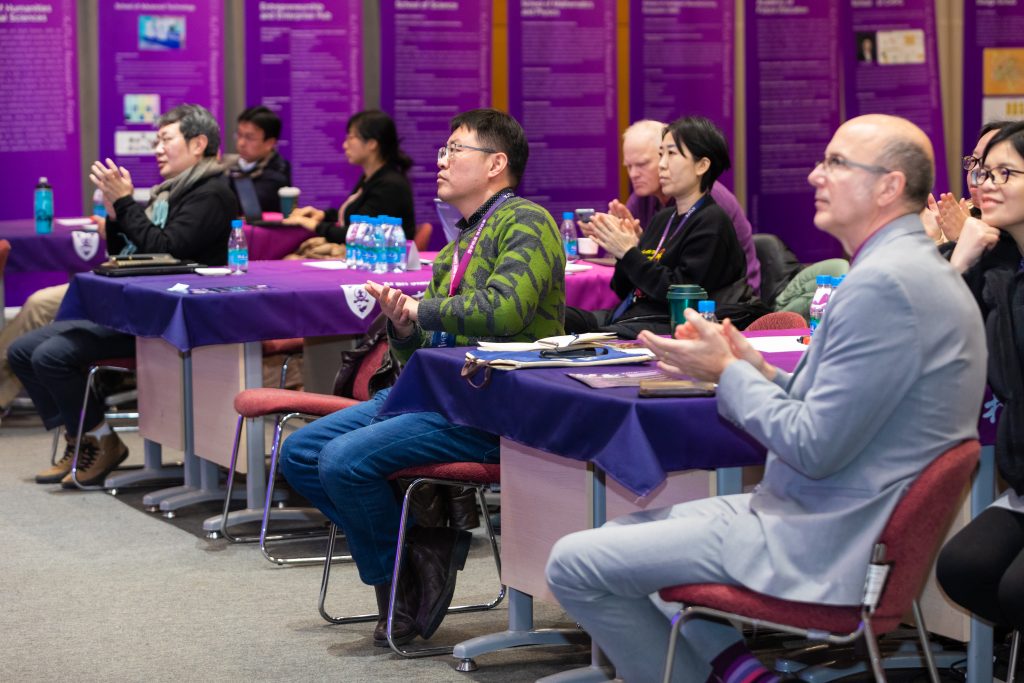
(729, 480)
(979, 649)
(153, 470)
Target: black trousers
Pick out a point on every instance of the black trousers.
(982, 567)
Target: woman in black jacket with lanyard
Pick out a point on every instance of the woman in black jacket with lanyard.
(372, 143)
(982, 566)
(693, 243)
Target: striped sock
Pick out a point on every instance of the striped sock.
(736, 664)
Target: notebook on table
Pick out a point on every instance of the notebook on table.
(145, 264)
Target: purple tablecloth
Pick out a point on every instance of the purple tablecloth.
(590, 289)
(300, 301)
(636, 441)
(38, 261)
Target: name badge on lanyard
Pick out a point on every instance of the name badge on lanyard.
(459, 266)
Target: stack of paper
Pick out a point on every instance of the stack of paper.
(563, 342)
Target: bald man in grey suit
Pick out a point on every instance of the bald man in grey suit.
(893, 378)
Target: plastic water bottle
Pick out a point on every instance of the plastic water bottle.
(98, 208)
(837, 280)
(396, 246)
(706, 308)
(238, 250)
(355, 223)
(820, 300)
(44, 207)
(380, 253)
(569, 236)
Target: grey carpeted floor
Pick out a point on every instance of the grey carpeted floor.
(94, 589)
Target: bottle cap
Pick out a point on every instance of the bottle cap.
(823, 280)
(567, 215)
(237, 223)
(837, 280)
(705, 306)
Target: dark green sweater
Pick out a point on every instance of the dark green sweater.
(513, 289)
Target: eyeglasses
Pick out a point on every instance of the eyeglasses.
(999, 176)
(835, 162)
(164, 141)
(969, 162)
(453, 148)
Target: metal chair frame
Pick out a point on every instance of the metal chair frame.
(1011, 672)
(263, 537)
(396, 575)
(93, 371)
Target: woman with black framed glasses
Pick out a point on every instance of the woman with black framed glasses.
(982, 567)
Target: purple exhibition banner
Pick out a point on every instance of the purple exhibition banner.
(435, 60)
(39, 106)
(993, 54)
(792, 60)
(891, 66)
(154, 56)
(681, 61)
(562, 89)
(304, 61)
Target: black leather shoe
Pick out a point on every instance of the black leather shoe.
(462, 508)
(436, 554)
(403, 627)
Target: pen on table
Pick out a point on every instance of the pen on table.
(805, 339)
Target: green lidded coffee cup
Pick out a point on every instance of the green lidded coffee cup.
(681, 297)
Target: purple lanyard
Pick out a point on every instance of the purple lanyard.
(668, 227)
(459, 268)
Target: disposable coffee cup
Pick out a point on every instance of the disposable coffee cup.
(586, 246)
(681, 297)
(289, 197)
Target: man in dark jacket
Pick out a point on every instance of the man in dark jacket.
(189, 216)
(256, 140)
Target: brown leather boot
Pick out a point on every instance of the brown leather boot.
(403, 626)
(436, 554)
(57, 471)
(96, 459)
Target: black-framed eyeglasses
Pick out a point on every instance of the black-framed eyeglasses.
(453, 148)
(836, 162)
(999, 176)
(969, 162)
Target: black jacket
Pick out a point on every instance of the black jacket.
(268, 179)
(197, 227)
(386, 192)
(998, 286)
(704, 251)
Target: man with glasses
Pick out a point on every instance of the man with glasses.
(881, 391)
(502, 279)
(258, 160)
(189, 216)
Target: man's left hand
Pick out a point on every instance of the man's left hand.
(700, 349)
(113, 181)
(401, 310)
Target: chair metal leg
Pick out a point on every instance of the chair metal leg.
(230, 485)
(78, 437)
(332, 536)
(673, 640)
(874, 655)
(926, 651)
(400, 552)
(56, 440)
(1011, 673)
(284, 370)
(275, 454)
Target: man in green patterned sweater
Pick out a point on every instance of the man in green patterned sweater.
(503, 279)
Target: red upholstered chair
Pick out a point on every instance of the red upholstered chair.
(456, 474)
(288, 348)
(124, 366)
(779, 320)
(5, 251)
(290, 405)
(907, 546)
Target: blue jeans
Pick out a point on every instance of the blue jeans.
(52, 364)
(341, 463)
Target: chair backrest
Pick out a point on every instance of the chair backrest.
(918, 525)
(368, 365)
(778, 265)
(779, 320)
(423, 233)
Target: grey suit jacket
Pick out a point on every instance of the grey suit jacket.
(893, 377)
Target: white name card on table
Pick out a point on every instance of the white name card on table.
(577, 267)
(327, 265)
(76, 222)
(783, 344)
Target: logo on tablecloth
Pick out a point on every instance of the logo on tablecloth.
(86, 243)
(359, 301)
